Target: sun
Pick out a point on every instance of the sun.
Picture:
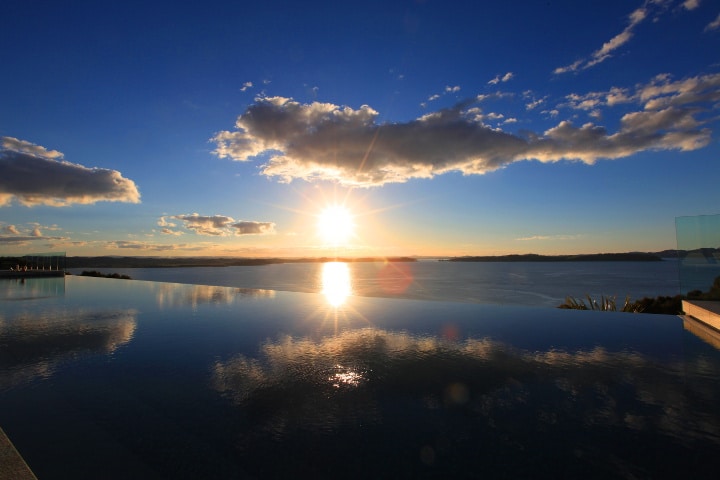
(336, 225)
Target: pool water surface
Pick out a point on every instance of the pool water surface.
(105, 378)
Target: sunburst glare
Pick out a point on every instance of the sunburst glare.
(336, 225)
(336, 284)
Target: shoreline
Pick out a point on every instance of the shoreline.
(184, 262)
(593, 257)
(180, 262)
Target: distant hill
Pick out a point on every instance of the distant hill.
(170, 262)
(712, 254)
(667, 254)
(173, 262)
(592, 257)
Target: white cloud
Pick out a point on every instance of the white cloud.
(23, 236)
(436, 96)
(588, 101)
(568, 68)
(534, 103)
(691, 4)
(33, 175)
(155, 247)
(714, 25)
(246, 86)
(607, 49)
(617, 96)
(163, 222)
(533, 238)
(499, 79)
(24, 147)
(661, 92)
(322, 141)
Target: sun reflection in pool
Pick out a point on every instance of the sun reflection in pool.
(345, 377)
(336, 284)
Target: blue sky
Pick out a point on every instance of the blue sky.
(444, 128)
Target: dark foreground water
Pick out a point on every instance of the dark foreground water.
(105, 378)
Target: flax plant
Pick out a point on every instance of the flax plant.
(606, 304)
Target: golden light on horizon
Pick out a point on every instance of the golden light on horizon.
(336, 225)
(336, 284)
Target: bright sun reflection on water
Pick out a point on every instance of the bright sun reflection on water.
(336, 285)
(345, 377)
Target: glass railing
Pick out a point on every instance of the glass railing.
(698, 243)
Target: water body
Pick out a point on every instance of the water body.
(118, 379)
(504, 283)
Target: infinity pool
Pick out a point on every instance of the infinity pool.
(103, 378)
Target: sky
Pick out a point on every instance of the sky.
(435, 128)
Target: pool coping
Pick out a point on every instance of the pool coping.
(12, 465)
(705, 311)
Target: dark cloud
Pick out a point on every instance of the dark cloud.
(253, 228)
(219, 225)
(322, 141)
(33, 175)
(22, 239)
(206, 225)
(146, 246)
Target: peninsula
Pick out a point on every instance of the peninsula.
(592, 257)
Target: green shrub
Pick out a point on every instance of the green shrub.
(661, 304)
(95, 273)
(606, 304)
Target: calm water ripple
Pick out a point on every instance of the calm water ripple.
(506, 283)
(157, 380)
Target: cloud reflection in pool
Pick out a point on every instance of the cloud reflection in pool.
(298, 384)
(175, 295)
(210, 382)
(34, 344)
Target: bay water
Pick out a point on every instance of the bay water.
(506, 283)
